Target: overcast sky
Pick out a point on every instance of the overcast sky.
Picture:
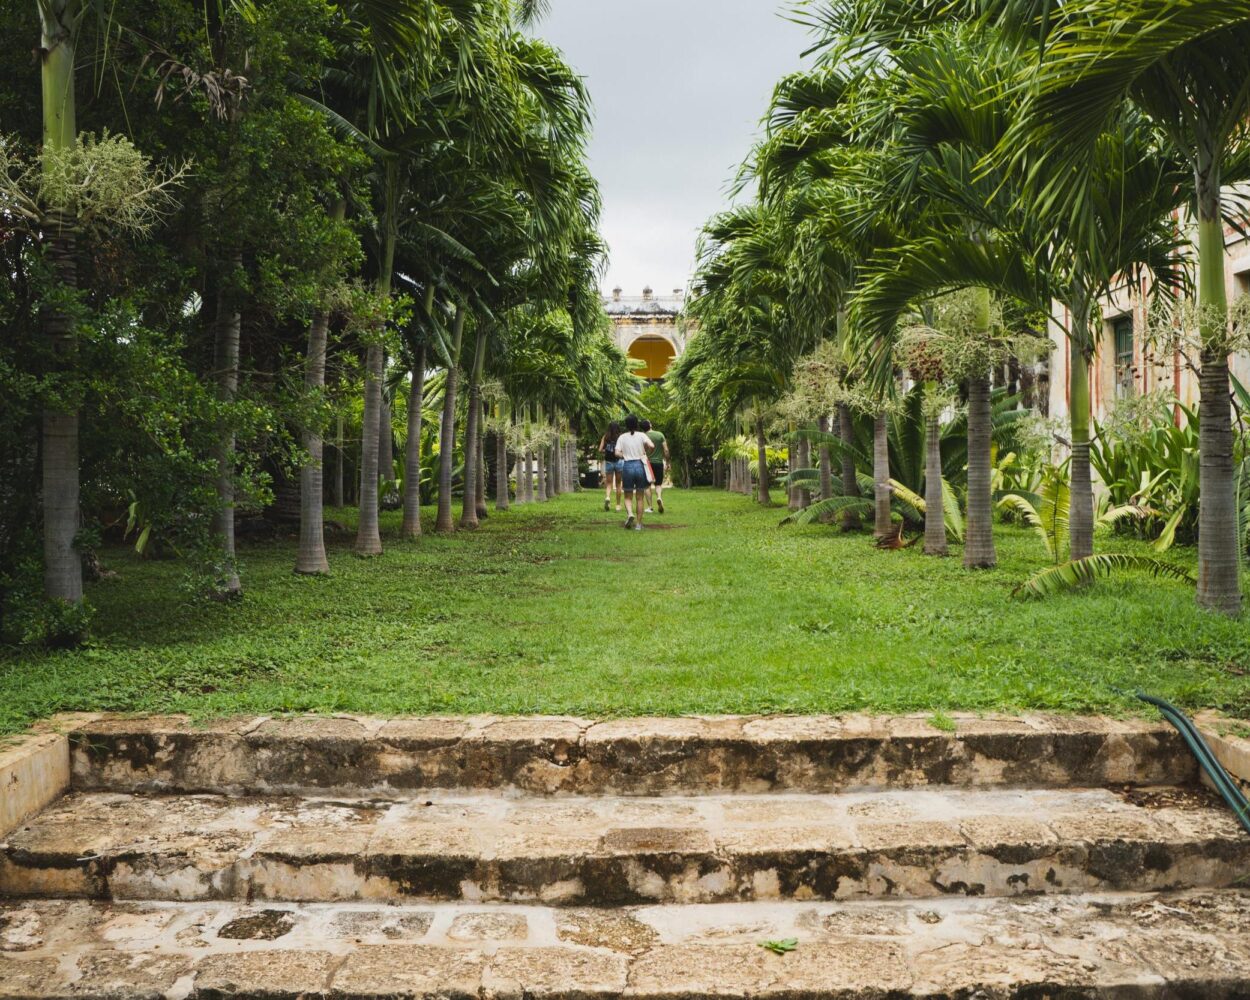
(679, 88)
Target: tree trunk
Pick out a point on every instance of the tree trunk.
(1081, 491)
(482, 470)
(386, 434)
(762, 449)
(979, 539)
(62, 563)
(826, 463)
(339, 498)
(226, 364)
(541, 474)
(501, 470)
(412, 451)
(805, 462)
(368, 534)
(1219, 544)
(934, 502)
(850, 483)
(472, 472)
(525, 482)
(311, 557)
(882, 523)
(447, 433)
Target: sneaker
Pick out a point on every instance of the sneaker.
(638, 527)
(607, 504)
(630, 522)
(618, 508)
(648, 511)
(659, 502)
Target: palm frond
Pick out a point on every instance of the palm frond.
(828, 508)
(1080, 572)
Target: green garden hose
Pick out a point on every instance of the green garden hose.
(1206, 759)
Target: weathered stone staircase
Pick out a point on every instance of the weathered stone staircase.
(558, 859)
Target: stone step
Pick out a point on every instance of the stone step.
(1119, 947)
(614, 851)
(621, 757)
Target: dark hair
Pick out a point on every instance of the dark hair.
(646, 424)
(631, 423)
(613, 431)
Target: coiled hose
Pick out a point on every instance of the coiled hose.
(1225, 785)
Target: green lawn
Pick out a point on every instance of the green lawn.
(555, 609)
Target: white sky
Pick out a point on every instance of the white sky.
(679, 87)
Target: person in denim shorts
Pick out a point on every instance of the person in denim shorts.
(632, 448)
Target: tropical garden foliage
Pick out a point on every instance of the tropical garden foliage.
(941, 184)
(264, 255)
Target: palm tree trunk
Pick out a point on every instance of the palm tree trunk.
(482, 470)
(762, 449)
(447, 433)
(412, 451)
(368, 533)
(1219, 544)
(339, 498)
(805, 461)
(850, 483)
(386, 434)
(226, 364)
(934, 502)
(542, 474)
(882, 524)
(525, 484)
(501, 468)
(979, 539)
(62, 563)
(311, 557)
(826, 464)
(1081, 492)
(472, 472)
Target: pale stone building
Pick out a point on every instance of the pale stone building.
(1126, 363)
(646, 328)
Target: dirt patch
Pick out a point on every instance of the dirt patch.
(268, 925)
(1171, 798)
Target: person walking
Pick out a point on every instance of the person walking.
(660, 460)
(611, 465)
(633, 447)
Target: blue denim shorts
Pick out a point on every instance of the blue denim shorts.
(635, 476)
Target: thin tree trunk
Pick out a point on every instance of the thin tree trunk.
(311, 557)
(62, 562)
(1081, 491)
(501, 469)
(762, 449)
(979, 539)
(468, 504)
(386, 434)
(542, 474)
(1219, 544)
(226, 364)
(412, 451)
(826, 464)
(339, 498)
(368, 533)
(934, 501)
(882, 524)
(482, 470)
(850, 483)
(805, 461)
(525, 486)
(447, 433)
(795, 450)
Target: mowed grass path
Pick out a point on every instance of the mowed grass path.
(555, 609)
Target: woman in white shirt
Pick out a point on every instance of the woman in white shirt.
(632, 448)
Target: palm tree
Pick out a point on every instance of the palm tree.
(1185, 67)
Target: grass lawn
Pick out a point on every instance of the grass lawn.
(555, 609)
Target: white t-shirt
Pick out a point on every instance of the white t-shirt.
(633, 447)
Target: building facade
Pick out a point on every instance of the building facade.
(1126, 363)
(646, 328)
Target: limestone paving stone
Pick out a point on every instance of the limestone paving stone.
(550, 756)
(500, 847)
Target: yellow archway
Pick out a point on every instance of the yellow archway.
(656, 353)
